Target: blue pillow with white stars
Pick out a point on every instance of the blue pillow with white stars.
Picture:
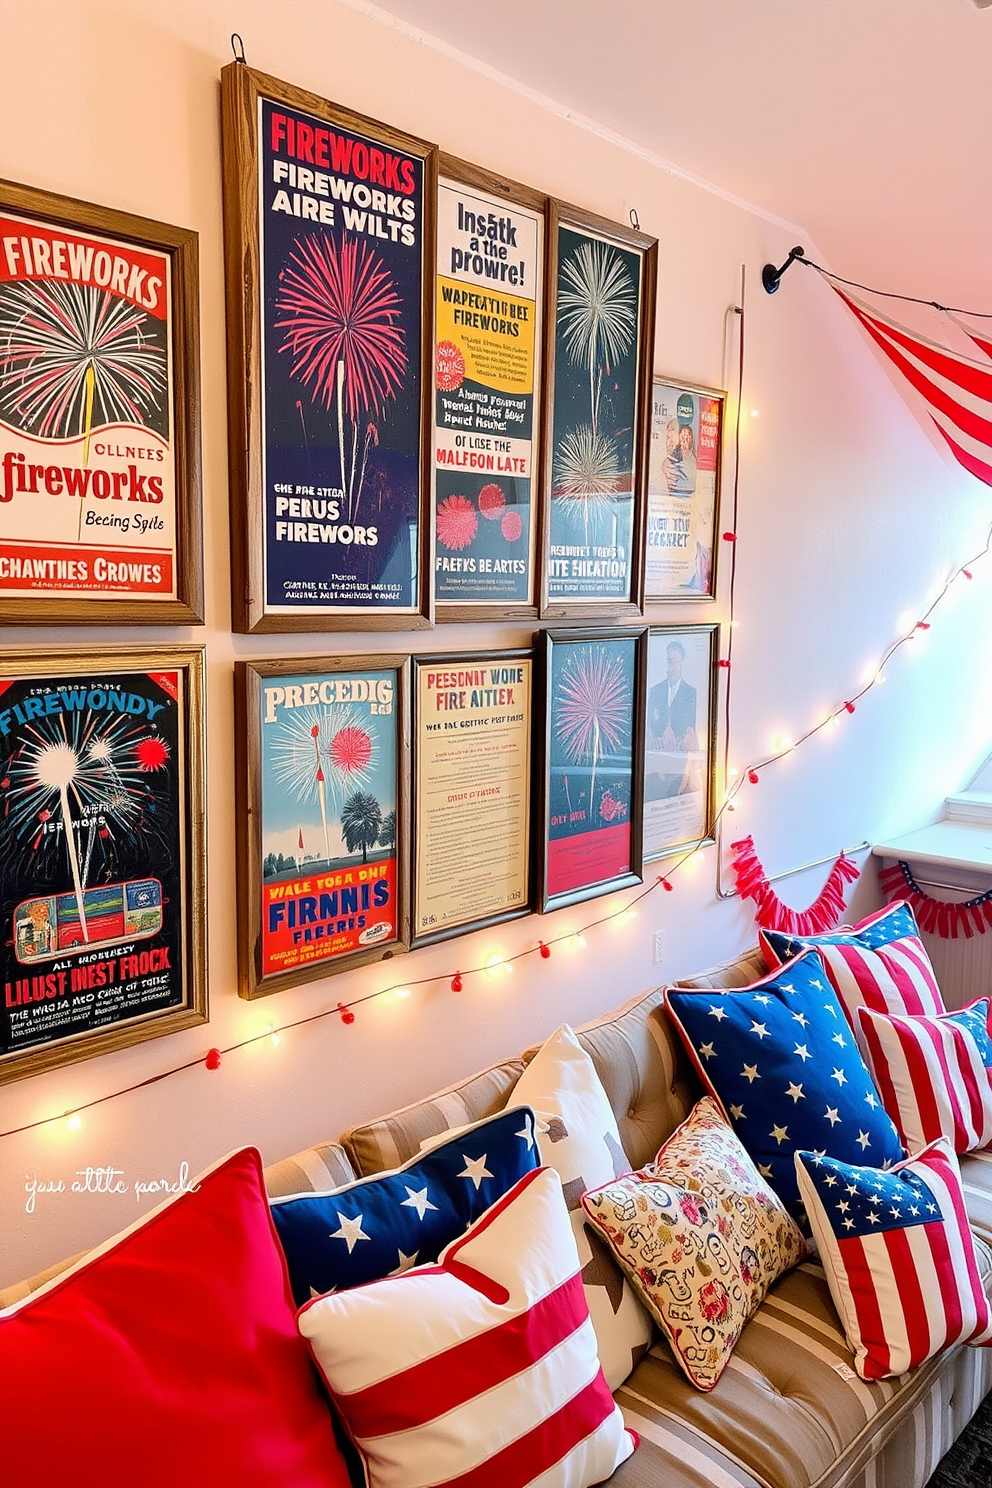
(781, 1059)
(380, 1226)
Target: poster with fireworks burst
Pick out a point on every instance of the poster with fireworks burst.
(592, 785)
(325, 880)
(487, 357)
(683, 491)
(99, 485)
(330, 368)
(600, 341)
(96, 900)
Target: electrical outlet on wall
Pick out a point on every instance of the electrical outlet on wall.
(659, 947)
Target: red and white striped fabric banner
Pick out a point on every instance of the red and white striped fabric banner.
(481, 1371)
(956, 389)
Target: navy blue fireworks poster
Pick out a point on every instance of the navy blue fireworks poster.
(341, 225)
(594, 417)
(91, 893)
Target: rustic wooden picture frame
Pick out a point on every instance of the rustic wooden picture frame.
(692, 769)
(87, 767)
(243, 91)
(59, 395)
(496, 189)
(343, 748)
(705, 557)
(593, 471)
(596, 708)
(477, 690)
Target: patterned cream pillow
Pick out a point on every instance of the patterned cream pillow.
(701, 1237)
(578, 1137)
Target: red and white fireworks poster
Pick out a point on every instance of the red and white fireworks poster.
(92, 887)
(487, 356)
(87, 449)
(590, 788)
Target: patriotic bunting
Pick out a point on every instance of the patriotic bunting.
(956, 389)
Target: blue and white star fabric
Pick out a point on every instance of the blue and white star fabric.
(781, 1059)
(381, 1226)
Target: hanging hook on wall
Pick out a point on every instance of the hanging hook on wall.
(771, 276)
(635, 221)
(239, 50)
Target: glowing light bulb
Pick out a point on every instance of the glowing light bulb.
(403, 992)
(73, 1122)
(273, 1033)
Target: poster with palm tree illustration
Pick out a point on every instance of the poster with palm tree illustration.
(334, 355)
(592, 792)
(320, 841)
(599, 347)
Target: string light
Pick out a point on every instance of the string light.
(498, 965)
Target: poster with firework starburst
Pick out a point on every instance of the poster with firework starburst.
(600, 344)
(100, 853)
(321, 833)
(329, 361)
(592, 774)
(488, 335)
(99, 457)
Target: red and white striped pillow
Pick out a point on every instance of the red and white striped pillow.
(880, 963)
(934, 1075)
(899, 1257)
(481, 1370)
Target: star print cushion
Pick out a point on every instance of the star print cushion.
(934, 1075)
(174, 1351)
(578, 1137)
(880, 963)
(899, 1257)
(481, 1370)
(781, 1060)
(379, 1226)
(701, 1236)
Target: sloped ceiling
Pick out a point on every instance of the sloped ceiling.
(868, 122)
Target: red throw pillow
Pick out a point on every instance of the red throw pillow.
(170, 1356)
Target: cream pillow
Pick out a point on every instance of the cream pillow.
(578, 1137)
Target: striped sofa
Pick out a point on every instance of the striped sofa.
(789, 1412)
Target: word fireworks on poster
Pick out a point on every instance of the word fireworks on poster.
(96, 899)
(472, 791)
(326, 880)
(334, 355)
(488, 338)
(599, 392)
(592, 775)
(99, 482)
(683, 491)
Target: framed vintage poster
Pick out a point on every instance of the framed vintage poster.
(99, 416)
(329, 229)
(679, 737)
(602, 280)
(487, 366)
(471, 791)
(591, 781)
(683, 491)
(322, 817)
(101, 851)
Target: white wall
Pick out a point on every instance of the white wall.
(849, 517)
